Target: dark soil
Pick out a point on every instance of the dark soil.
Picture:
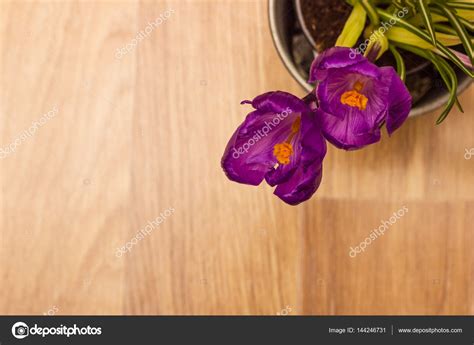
(324, 20)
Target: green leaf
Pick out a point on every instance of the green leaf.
(353, 27)
(466, 14)
(445, 29)
(402, 35)
(461, 5)
(447, 74)
(423, 9)
(461, 31)
(467, 24)
(452, 92)
(386, 16)
(401, 69)
(371, 12)
(410, 4)
(398, 5)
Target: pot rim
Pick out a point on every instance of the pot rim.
(304, 27)
(290, 66)
(310, 38)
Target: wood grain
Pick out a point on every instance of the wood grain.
(136, 135)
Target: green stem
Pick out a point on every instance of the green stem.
(401, 69)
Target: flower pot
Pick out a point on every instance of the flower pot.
(294, 43)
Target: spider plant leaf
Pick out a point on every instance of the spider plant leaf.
(401, 69)
(423, 9)
(445, 29)
(449, 77)
(467, 24)
(461, 5)
(411, 4)
(397, 4)
(463, 57)
(452, 92)
(437, 17)
(461, 31)
(402, 35)
(371, 12)
(447, 74)
(403, 23)
(466, 14)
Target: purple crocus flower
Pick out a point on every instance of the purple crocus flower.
(356, 97)
(281, 142)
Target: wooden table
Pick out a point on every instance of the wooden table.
(139, 130)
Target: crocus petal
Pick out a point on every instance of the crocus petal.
(283, 172)
(399, 101)
(339, 81)
(312, 141)
(302, 184)
(249, 153)
(278, 101)
(336, 57)
(377, 95)
(330, 90)
(365, 68)
(243, 162)
(350, 133)
(306, 179)
(309, 146)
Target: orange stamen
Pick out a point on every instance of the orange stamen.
(355, 99)
(282, 152)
